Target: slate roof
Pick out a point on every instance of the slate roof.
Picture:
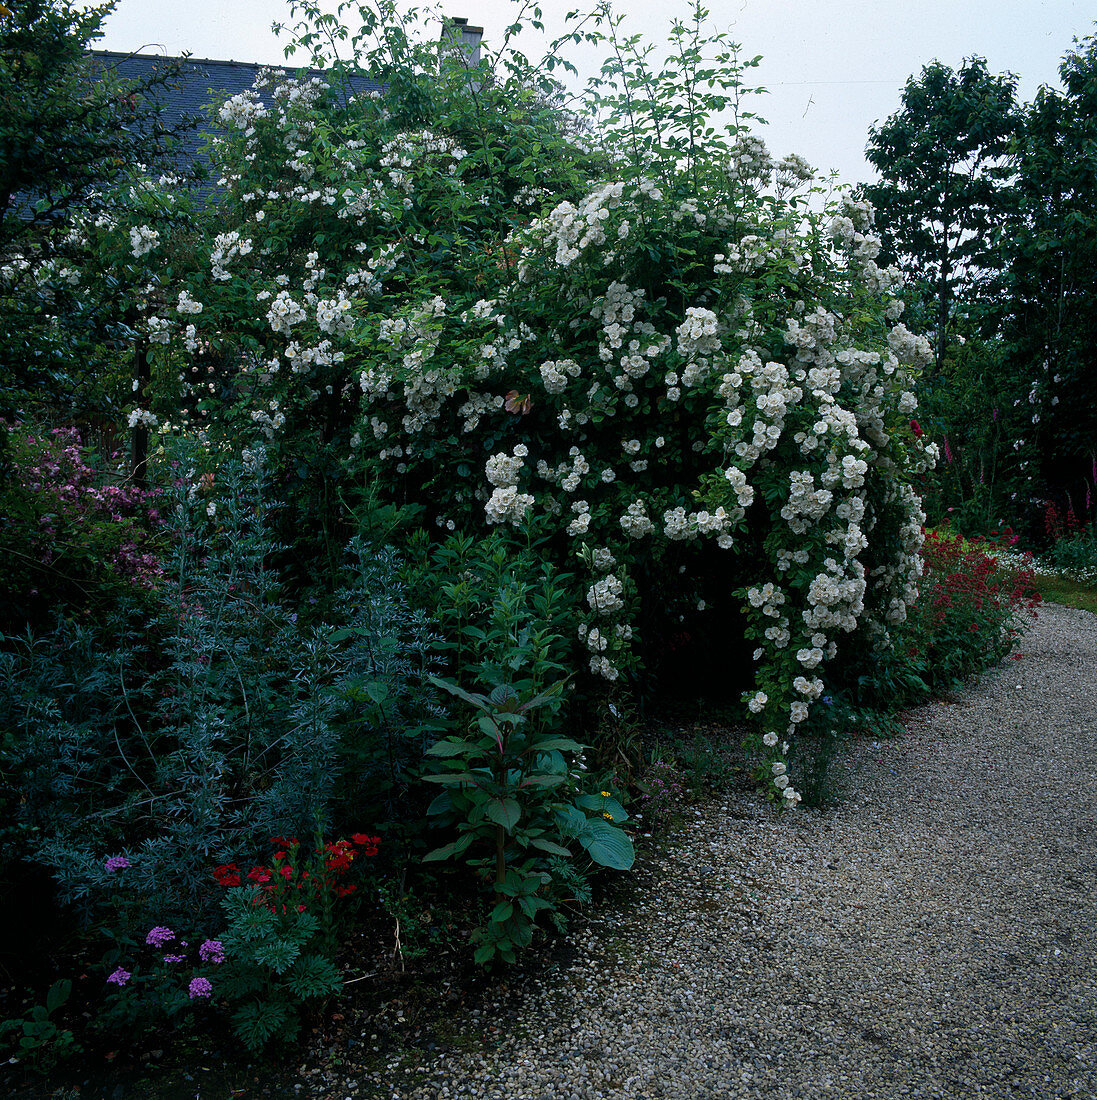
(201, 82)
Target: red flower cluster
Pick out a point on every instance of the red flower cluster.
(1059, 526)
(291, 882)
(972, 578)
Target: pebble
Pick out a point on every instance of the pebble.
(932, 935)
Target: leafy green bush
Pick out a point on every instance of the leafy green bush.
(514, 800)
(678, 375)
(74, 538)
(221, 724)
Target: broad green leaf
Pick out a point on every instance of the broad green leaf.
(571, 820)
(549, 846)
(451, 748)
(504, 811)
(564, 744)
(449, 851)
(607, 845)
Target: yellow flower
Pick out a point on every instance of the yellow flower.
(605, 794)
(608, 817)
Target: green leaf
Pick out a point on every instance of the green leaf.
(58, 994)
(255, 1023)
(504, 811)
(449, 851)
(607, 845)
(542, 781)
(456, 779)
(564, 744)
(477, 701)
(550, 846)
(451, 748)
(440, 804)
(570, 820)
(377, 691)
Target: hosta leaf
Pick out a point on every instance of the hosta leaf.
(607, 845)
(549, 846)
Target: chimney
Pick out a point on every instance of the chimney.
(465, 37)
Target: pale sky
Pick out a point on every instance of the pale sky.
(831, 67)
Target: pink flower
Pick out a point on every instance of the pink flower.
(159, 936)
(212, 951)
(199, 987)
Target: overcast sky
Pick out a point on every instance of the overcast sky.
(831, 67)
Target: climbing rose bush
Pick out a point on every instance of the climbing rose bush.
(679, 360)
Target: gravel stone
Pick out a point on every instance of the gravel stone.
(934, 934)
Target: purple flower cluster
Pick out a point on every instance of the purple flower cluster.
(75, 507)
(159, 936)
(199, 987)
(117, 863)
(212, 952)
(120, 977)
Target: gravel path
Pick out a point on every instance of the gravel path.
(934, 935)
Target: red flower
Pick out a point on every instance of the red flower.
(916, 428)
(287, 872)
(368, 844)
(259, 874)
(227, 874)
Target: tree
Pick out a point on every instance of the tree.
(68, 127)
(71, 135)
(943, 159)
(1049, 326)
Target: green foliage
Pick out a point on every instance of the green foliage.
(989, 206)
(222, 722)
(1076, 554)
(69, 129)
(71, 134)
(510, 793)
(943, 197)
(971, 609)
(38, 1038)
(504, 613)
(1048, 326)
(274, 966)
(75, 538)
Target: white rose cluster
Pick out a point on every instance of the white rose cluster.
(143, 240)
(506, 504)
(226, 248)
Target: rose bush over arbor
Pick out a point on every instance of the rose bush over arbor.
(425, 291)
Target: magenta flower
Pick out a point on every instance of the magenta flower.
(199, 987)
(120, 977)
(212, 952)
(117, 863)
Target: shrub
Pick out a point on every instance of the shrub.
(74, 538)
(223, 723)
(678, 375)
(970, 610)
